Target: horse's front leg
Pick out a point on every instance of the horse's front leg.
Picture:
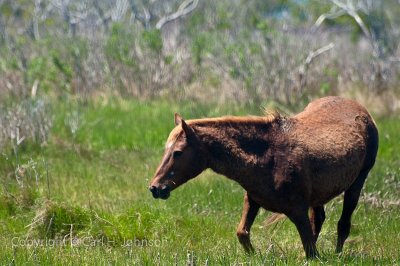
(250, 210)
(299, 216)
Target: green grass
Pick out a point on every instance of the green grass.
(89, 199)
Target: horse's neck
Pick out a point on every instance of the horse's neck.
(233, 149)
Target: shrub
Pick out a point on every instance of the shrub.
(28, 120)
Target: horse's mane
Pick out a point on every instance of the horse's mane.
(269, 117)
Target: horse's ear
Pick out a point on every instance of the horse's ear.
(178, 119)
(188, 130)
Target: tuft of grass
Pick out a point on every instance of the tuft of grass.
(57, 220)
(8, 206)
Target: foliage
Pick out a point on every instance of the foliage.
(153, 41)
(118, 45)
(255, 49)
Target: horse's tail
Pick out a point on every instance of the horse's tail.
(372, 142)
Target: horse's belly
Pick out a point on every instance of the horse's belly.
(330, 182)
(332, 166)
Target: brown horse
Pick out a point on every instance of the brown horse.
(286, 165)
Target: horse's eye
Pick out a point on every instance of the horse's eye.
(177, 154)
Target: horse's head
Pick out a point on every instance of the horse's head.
(182, 160)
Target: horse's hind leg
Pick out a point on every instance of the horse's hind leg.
(317, 218)
(250, 210)
(351, 197)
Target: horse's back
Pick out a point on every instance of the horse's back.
(333, 124)
(332, 110)
(336, 139)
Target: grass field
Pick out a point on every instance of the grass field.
(83, 199)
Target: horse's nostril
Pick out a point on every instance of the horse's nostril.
(154, 191)
(164, 192)
(161, 191)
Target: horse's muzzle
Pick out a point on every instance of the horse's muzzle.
(162, 192)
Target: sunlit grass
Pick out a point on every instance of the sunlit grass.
(92, 185)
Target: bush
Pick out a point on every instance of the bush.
(25, 121)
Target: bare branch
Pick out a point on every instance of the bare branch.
(147, 17)
(34, 88)
(143, 19)
(35, 21)
(120, 9)
(302, 70)
(313, 54)
(185, 8)
(331, 15)
(352, 12)
(104, 19)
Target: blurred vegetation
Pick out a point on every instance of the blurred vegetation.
(242, 51)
